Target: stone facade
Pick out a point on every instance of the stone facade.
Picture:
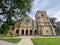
(40, 26)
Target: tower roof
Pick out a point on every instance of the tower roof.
(38, 11)
(41, 11)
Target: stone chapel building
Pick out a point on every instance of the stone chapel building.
(40, 26)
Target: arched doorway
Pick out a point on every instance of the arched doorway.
(22, 32)
(17, 32)
(35, 32)
(30, 32)
(26, 32)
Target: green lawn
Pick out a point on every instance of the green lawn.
(1, 35)
(5, 36)
(13, 40)
(46, 41)
(8, 38)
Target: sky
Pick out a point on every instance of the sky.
(52, 7)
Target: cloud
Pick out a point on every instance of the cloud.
(51, 6)
(57, 15)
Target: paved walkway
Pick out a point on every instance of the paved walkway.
(6, 43)
(25, 41)
(37, 36)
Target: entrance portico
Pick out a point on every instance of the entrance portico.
(27, 32)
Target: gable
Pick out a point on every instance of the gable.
(27, 22)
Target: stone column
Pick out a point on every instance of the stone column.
(28, 32)
(33, 32)
(20, 32)
(14, 32)
(25, 32)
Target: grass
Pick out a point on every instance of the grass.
(5, 36)
(8, 38)
(46, 41)
(13, 40)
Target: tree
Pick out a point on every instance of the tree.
(57, 28)
(4, 29)
(14, 9)
(56, 25)
(53, 21)
(0, 20)
(22, 7)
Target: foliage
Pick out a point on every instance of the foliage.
(24, 5)
(0, 20)
(10, 22)
(13, 9)
(4, 29)
(56, 25)
(53, 21)
(57, 28)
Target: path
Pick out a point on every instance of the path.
(25, 41)
(6, 43)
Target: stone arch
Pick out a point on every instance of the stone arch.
(35, 32)
(22, 31)
(17, 32)
(30, 32)
(26, 32)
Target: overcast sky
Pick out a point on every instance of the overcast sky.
(51, 6)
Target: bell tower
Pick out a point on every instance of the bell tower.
(44, 27)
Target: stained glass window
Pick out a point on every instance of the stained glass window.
(27, 21)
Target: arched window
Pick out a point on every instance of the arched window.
(42, 15)
(27, 21)
(47, 31)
